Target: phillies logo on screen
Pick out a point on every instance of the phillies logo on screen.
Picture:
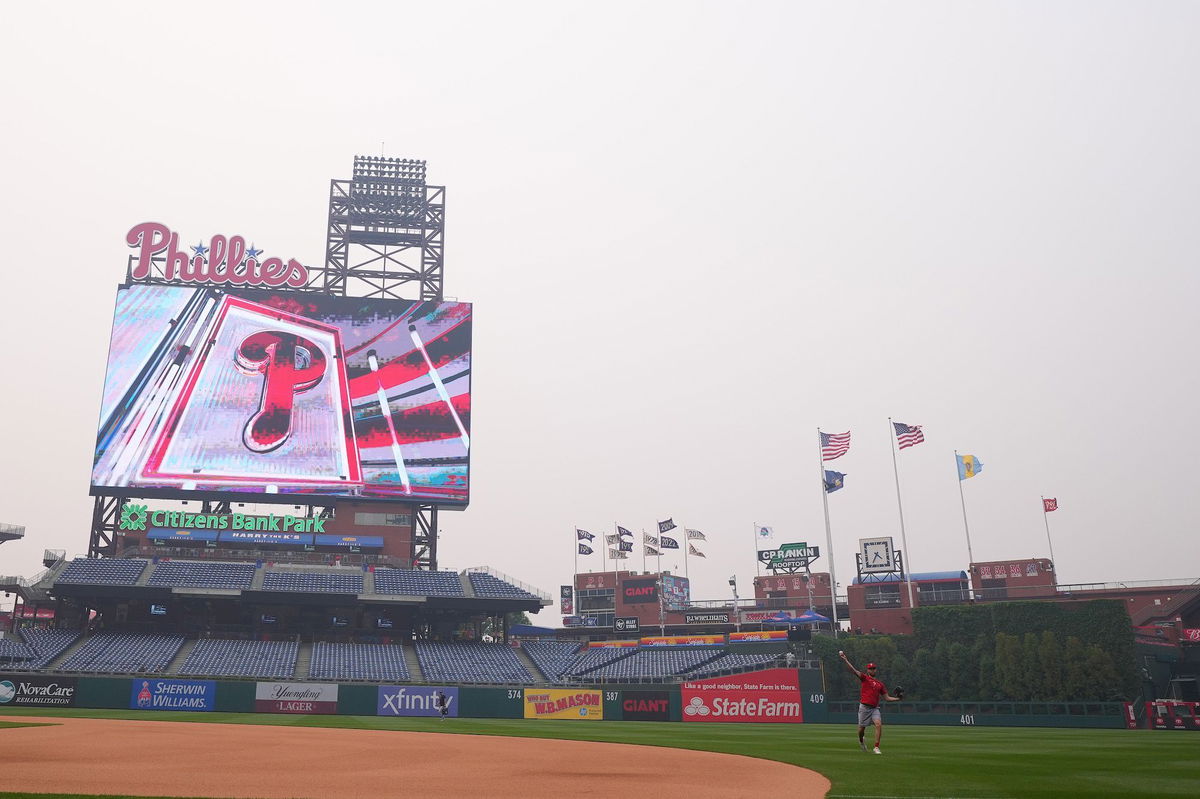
(289, 365)
(224, 260)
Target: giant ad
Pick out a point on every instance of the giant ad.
(771, 696)
(217, 390)
(560, 703)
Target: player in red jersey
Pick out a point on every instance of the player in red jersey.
(873, 692)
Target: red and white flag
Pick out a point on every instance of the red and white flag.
(1049, 504)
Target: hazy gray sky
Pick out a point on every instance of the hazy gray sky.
(693, 232)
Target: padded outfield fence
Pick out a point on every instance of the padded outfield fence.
(755, 696)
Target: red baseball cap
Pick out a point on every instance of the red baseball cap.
(870, 665)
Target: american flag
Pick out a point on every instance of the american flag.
(834, 445)
(908, 435)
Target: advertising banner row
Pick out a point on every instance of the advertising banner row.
(766, 696)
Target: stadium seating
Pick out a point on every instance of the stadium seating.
(47, 645)
(124, 653)
(315, 582)
(378, 662)
(191, 574)
(653, 663)
(14, 653)
(408, 582)
(589, 659)
(216, 658)
(470, 662)
(730, 661)
(102, 571)
(489, 587)
(553, 658)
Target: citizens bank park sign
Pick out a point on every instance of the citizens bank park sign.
(135, 517)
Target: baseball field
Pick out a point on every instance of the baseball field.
(918, 762)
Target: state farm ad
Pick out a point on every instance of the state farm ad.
(286, 697)
(771, 696)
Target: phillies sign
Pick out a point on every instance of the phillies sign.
(224, 260)
(771, 696)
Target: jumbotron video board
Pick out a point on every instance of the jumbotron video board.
(213, 390)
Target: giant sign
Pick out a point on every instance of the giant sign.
(37, 691)
(414, 700)
(771, 696)
(640, 591)
(259, 391)
(191, 695)
(645, 705)
(561, 703)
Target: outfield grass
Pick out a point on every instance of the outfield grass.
(931, 762)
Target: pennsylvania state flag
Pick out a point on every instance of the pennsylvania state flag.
(968, 466)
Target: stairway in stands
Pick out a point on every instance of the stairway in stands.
(530, 666)
(468, 589)
(303, 661)
(413, 663)
(66, 653)
(181, 656)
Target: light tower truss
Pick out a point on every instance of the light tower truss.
(386, 231)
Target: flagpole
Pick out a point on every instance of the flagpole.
(900, 505)
(966, 527)
(757, 565)
(604, 564)
(686, 546)
(576, 553)
(828, 534)
(616, 555)
(1046, 519)
(643, 549)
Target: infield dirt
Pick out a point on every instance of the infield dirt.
(233, 761)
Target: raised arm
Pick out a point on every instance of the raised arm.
(846, 660)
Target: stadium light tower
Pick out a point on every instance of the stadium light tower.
(386, 229)
(385, 239)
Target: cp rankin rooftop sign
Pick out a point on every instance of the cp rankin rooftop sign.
(224, 260)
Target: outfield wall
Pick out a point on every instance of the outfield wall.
(769, 696)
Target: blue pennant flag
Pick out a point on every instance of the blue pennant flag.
(584, 549)
(668, 543)
(834, 481)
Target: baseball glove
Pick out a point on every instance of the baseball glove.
(898, 692)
